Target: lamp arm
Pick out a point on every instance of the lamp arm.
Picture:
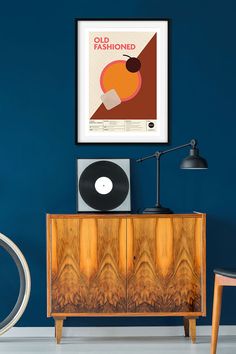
(192, 143)
(147, 157)
(157, 154)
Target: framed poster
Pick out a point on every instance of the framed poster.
(122, 81)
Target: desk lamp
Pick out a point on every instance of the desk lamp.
(192, 162)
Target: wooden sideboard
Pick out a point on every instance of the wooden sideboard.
(126, 265)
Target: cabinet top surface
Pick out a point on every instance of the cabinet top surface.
(111, 215)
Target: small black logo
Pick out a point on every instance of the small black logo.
(151, 125)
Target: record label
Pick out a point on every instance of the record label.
(103, 185)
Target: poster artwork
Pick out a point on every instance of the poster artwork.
(122, 81)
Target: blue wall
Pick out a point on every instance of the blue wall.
(37, 169)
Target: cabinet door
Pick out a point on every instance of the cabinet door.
(88, 265)
(164, 264)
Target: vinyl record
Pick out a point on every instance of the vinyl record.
(103, 185)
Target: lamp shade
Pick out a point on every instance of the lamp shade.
(194, 161)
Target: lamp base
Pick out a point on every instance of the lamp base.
(157, 210)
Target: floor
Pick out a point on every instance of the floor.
(151, 345)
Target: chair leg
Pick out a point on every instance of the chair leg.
(216, 314)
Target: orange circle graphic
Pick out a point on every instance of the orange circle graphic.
(116, 76)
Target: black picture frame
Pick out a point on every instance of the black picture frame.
(168, 23)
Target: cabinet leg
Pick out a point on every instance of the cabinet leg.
(58, 328)
(186, 327)
(192, 329)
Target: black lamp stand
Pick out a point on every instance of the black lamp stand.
(158, 209)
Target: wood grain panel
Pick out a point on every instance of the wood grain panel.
(88, 265)
(164, 264)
